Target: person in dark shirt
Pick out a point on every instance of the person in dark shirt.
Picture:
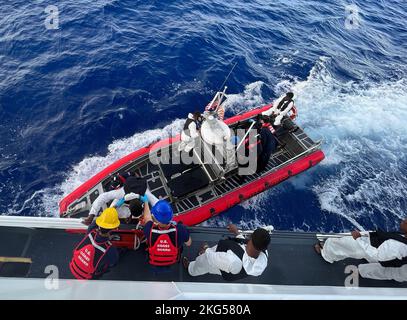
(95, 254)
(165, 237)
(268, 143)
(233, 258)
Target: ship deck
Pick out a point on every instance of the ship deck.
(292, 259)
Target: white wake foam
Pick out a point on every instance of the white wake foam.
(251, 97)
(365, 133)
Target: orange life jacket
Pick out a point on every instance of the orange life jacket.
(87, 256)
(163, 247)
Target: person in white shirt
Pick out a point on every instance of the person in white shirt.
(233, 259)
(386, 252)
(189, 132)
(128, 200)
(280, 108)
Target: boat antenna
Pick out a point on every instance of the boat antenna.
(227, 77)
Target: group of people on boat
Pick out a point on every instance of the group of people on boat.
(269, 125)
(233, 258)
(164, 239)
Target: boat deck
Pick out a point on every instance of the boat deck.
(192, 188)
(292, 260)
(199, 186)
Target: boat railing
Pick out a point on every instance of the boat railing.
(315, 147)
(218, 100)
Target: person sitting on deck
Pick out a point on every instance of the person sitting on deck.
(281, 107)
(234, 258)
(128, 200)
(386, 252)
(95, 255)
(190, 132)
(267, 143)
(165, 237)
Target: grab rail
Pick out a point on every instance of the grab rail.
(42, 222)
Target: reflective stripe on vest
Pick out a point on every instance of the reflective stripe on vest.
(163, 247)
(95, 244)
(87, 256)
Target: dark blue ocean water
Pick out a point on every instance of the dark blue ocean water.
(115, 73)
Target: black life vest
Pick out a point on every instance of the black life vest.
(119, 180)
(163, 248)
(284, 103)
(87, 256)
(379, 236)
(186, 126)
(136, 185)
(233, 245)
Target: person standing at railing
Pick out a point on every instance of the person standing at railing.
(165, 238)
(189, 132)
(281, 107)
(267, 143)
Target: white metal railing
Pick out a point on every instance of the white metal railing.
(68, 289)
(41, 222)
(323, 236)
(219, 97)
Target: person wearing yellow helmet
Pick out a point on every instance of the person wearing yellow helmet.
(95, 254)
(108, 220)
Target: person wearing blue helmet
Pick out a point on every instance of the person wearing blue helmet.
(165, 237)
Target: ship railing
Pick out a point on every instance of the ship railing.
(324, 236)
(225, 231)
(42, 222)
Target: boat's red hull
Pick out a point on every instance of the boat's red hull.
(235, 197)
(217, 206)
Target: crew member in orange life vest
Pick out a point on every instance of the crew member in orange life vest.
(164, 237)
(95, 254)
